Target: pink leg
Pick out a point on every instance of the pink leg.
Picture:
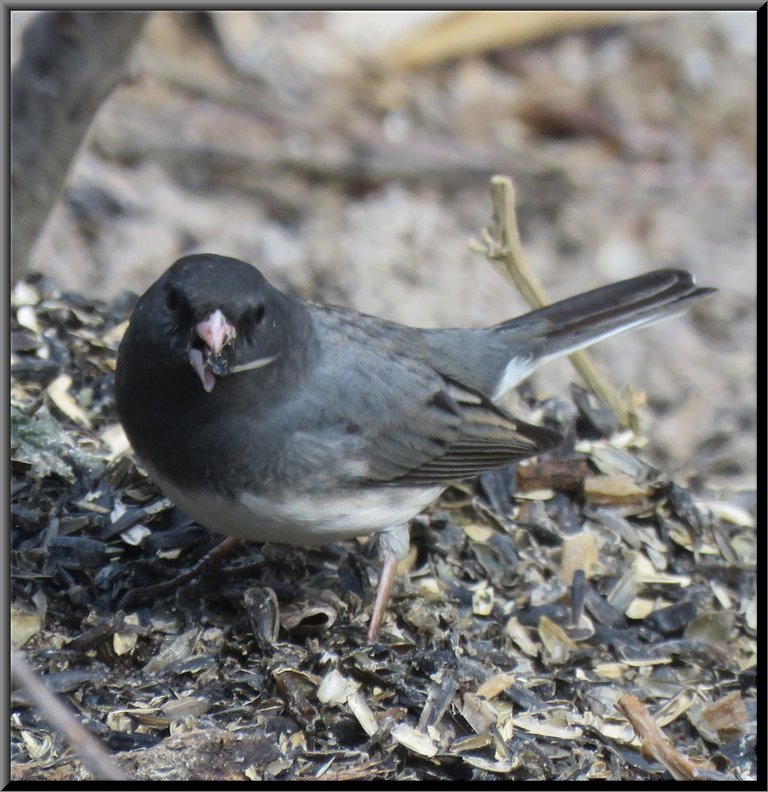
(386, 581)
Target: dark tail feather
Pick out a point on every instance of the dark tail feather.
(579, 321)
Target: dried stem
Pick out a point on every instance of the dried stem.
(90, 750)
(503, 248)
(655, 744)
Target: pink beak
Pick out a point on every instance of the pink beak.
(215, 331)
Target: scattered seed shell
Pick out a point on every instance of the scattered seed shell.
(546, 725)
(186, 707)
(491, 765)
(727, 716)
(477, 532)
(263, 614)
(135, 535)
(494, 685)
(520, 636)
(556, 641)
(579, 552)
(728, 512)
(358, 706)
(174, 652)
(58, 391)
(482, 601)
(24, 625)
(413, 740)
(616, 489)
(471, 742)
(335, 688)
(308, 619)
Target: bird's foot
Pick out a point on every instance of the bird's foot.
(211, 558)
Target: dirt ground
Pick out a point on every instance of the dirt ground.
(292, 141)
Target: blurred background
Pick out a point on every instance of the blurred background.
(347, 155)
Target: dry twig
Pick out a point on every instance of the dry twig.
(655, 744)
(502, 246)
(90, 750)
(458, 34)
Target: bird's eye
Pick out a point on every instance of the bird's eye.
(251, 319)
(172, 299)
(255, 316)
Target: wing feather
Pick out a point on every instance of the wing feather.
(472, 435)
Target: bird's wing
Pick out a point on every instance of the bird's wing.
(452, 434)
(405, 423)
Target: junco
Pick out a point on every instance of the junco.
(273, 419)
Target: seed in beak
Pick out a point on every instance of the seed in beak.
(201, 369)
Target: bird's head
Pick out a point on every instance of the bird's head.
(216, 315)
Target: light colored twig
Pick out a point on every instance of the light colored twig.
(90, 750)
(655, 745)
(502, 246)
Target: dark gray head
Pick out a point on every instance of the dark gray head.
(207, 324)
(204, 282)
(212, 316)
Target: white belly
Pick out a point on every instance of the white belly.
(304, 519)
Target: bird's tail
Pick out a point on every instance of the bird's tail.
(579, 321)
(494, 360)
(569, 325)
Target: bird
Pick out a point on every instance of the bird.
(269, 418)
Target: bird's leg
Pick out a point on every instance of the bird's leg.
(392, 547)
(383, 591)
(211, 558)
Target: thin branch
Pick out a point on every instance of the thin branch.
(502, 246)
(70, 61)
(90, 750)
(655, 744)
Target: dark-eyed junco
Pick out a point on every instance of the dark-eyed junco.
(268, 418)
